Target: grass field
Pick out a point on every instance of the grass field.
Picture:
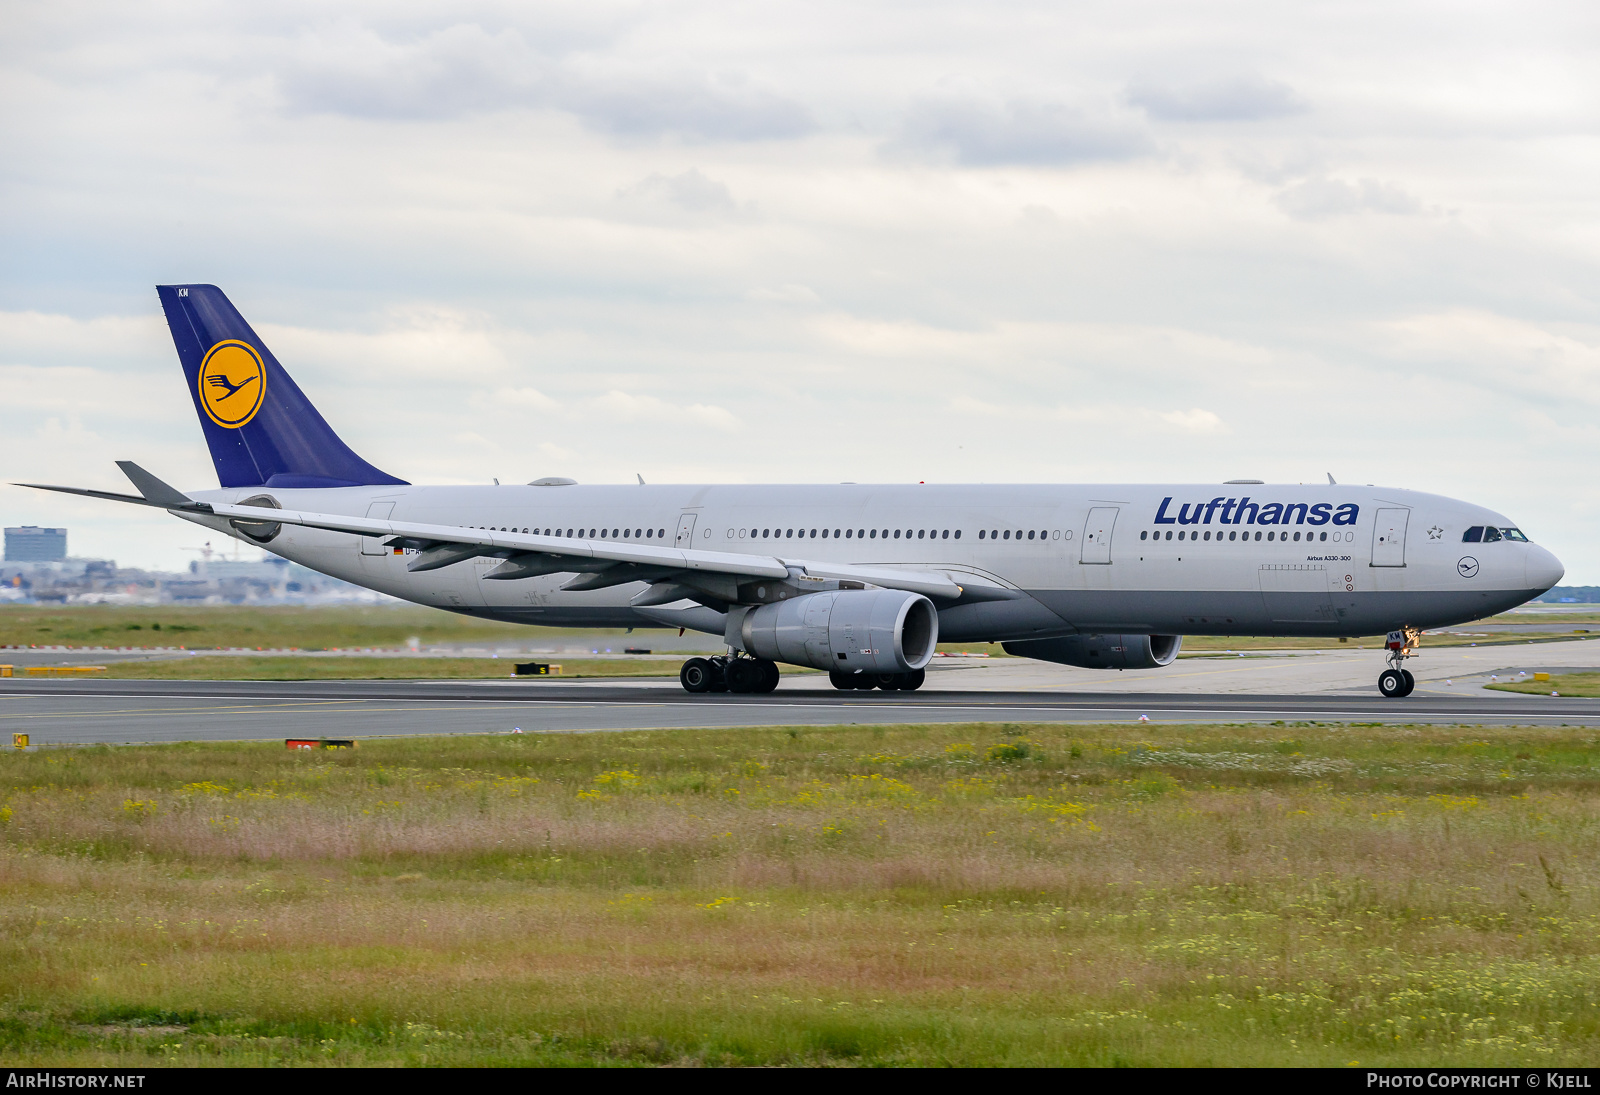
(273, 627)
(971, 895)
(1568, 684)
(250, 668)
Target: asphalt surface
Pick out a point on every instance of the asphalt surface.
(90, 711)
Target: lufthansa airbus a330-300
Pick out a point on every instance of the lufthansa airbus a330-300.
(859, 580)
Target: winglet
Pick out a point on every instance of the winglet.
(153, 489)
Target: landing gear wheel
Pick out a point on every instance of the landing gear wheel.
(910, 682)
(844, 682)
(1391, 683)
(772, 676)
(745, 675)
(889, 682)
(696, 675)
(1411, 682)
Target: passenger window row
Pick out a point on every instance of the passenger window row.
(890, 534)
(592, 534)
(1007, 534)
(1274, 535)
(845, 534)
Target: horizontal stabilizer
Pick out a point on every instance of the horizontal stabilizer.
(186, 505)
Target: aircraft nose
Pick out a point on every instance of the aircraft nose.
(1543, 569)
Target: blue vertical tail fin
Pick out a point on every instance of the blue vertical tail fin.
(260, 427)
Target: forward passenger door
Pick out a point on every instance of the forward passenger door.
(1389, 538)
(1097, 532)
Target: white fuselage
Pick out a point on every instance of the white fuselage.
(1235, 559)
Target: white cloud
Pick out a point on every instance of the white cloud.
(1107, 421)
(1194, 420)
(785, 294)
(690, 190)
(628, 407)
(520, 398)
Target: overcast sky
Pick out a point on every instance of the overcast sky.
(958, 242)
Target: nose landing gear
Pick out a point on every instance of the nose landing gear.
(1396, 681)
(728, 674)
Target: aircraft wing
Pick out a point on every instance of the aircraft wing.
(674, 573)
(527, 555)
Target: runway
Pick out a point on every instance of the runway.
(85, 712)
(1288, 686)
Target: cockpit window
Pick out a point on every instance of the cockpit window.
(1473, 535)
(1491, 535)
(1514, 534)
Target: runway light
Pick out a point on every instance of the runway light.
(516, 729)
(1144, 718)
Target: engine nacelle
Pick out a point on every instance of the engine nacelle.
(1102, 651)
(872, 630)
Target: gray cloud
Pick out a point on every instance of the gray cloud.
(691, 191)
(352, 70)
(1020, 131)
(1320, 199)
(715, 108)
(465, 69)
(1236, 100)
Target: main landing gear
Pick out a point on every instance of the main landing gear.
(889, 682)
(1396, 681)
(725, 673)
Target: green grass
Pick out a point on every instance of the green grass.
(272, 627)
(968, 895)
(240, 667)
(1568, 684)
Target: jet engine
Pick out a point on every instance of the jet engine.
(1101, 651)
(872, 630)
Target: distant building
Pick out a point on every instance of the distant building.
(32, 544)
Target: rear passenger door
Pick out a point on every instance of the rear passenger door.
(373, 545)
(685, 531)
